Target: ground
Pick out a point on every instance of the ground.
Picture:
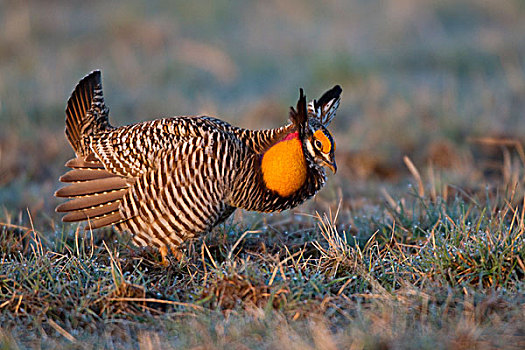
(417, 241)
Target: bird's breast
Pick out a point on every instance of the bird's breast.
(284, 167)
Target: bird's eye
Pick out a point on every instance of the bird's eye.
(318, 144)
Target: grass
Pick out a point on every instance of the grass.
(445, 273)
(417, 242)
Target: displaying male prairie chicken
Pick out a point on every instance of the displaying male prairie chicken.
(171, 179)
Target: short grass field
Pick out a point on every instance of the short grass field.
(416, 243)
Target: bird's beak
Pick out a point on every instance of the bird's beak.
(332, 166)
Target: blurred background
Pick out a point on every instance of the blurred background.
(442, 82)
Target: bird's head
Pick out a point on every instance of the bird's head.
(318, 143)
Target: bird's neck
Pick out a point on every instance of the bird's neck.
(284, 167)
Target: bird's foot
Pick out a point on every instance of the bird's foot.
(176, 253)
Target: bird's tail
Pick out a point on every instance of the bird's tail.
(86, 113)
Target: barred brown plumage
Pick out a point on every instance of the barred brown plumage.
(170, 179)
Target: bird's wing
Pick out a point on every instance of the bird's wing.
(135, 149)
(184, 195)
(99, 180)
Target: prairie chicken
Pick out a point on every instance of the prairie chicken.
(170, 179)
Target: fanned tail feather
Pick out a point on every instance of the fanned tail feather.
(95, 194)
(86, 113)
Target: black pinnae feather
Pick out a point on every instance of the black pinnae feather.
(301, 107)
(299, 117)
(333, 93)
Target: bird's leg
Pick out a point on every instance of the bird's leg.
(164, 253)
(177, 253)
